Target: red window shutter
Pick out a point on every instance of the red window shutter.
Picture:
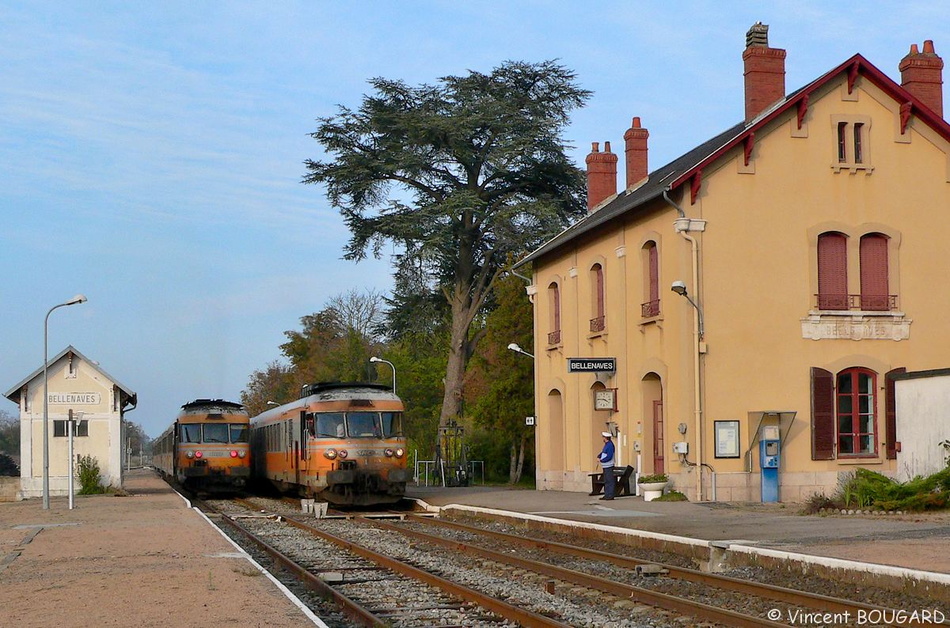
(654, 274)
(890, 413)
(600, 290)
(832, 271)
(822, 414)
(874, 288)
(557, 308)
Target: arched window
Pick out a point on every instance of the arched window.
(832, 271)
(874, 281)
(598, 321)
(857, 421)
(554, 322)
(651, 281)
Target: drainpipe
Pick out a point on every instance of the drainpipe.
(684, 226)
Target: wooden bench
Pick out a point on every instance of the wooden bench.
(622, 481)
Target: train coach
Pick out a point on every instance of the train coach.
(206, 449)
(340, 442)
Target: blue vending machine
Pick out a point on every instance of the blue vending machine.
(769, 459)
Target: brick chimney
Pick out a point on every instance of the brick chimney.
(764, 71)
(601, 175)
(922, 76)
(636, 139)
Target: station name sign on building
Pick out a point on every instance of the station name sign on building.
(591, 365)
(77, 398)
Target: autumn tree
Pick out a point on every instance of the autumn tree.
(456, 175)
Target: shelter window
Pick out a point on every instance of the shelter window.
(81, 427)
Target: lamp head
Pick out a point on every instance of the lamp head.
(679, 287)
(375, 359)
(79, 298)
(514, 347)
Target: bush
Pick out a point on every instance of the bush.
(90, 482)
(8, 467)
(655, 478)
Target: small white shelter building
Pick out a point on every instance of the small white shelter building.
(97, 401)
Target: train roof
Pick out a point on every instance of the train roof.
(328, 387)
(201, 404)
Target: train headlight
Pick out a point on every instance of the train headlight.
(242, 454)
(400, 452)
(343, 453)
(198, 454)
(189, 454)
(389, 453)
(330, 454)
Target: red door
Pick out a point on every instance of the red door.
(658, 449)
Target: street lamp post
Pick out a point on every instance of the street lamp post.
(76, 299)
(374, 360)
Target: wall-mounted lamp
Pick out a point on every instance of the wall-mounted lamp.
(679, 287)
(514, 347)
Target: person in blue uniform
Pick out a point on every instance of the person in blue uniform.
(606, 459)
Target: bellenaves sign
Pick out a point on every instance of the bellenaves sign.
(590, 365)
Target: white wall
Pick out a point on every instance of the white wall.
(923, 421)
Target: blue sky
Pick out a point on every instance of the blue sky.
(152, 152)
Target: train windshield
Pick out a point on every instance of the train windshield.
(190, 432)
(363, 424)
(216, 433)
(329, 424)
(238, 432)
(392, 423)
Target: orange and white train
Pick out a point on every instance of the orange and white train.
(341, 443)
(206, 449)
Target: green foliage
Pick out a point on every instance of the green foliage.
(457, 176)
(9, 434)
(90, 481)
(869, 489)
(275, 383)
(946, 451)
(672, 496)
(655, 478)
(502, 381)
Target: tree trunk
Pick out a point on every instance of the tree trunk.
(516, 464)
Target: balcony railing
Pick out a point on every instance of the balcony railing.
(598, 324)
(863, 303)
(554, 337)
(650, 309)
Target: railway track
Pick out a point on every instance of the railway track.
(511, 587)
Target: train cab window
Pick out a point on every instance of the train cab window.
(190, 432)
(363, 424)
(216, 433)
(330, 424)
(238, 432)
(392, 423)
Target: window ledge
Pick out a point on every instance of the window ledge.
(652, 320)
(556, 347)
(597, 334)
(853, 168)
(860, 460)
(850, 325)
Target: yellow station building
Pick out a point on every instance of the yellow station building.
(766, 286)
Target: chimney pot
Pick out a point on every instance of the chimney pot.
(636, 153)
(922, 76)
(601, 175)
(764, 72)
